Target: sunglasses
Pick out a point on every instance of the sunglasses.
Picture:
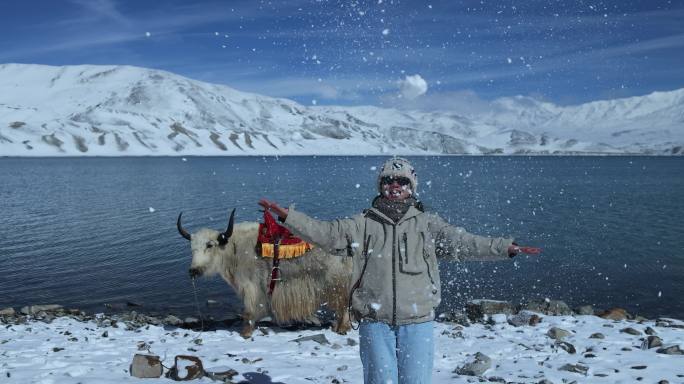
(403, 181)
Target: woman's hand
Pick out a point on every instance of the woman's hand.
(273, 207)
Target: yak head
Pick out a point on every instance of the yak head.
(206, 245)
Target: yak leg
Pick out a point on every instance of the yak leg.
(247, 326)
(338, 301)
(342, 322)
(255, 309)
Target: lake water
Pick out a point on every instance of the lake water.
(87, 231)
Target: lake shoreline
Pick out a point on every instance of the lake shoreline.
(135, 315)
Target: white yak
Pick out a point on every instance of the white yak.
(308, 281)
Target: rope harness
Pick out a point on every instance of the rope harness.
(275, 271)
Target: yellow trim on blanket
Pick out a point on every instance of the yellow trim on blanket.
(286, 251)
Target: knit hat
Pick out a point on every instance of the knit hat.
(398, 167)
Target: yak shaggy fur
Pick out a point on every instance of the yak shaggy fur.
(308, 281)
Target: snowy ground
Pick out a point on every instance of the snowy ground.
(70, 351)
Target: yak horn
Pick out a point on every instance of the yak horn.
(182, 231)
(223, 238)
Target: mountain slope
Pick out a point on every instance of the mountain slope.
(124, 111)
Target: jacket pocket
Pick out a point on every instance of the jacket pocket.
(430, 259)
(410, 255)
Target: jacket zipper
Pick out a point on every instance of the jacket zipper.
(405, 237)
(394, 275)
(394, 266)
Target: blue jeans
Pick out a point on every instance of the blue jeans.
(400, 354)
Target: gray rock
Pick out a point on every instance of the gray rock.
(115, 306)
(186, 368)
(631, 331)
(652, 342)
(151, 320)
(477, 309)
(454, 316)
(558, 333)
(34, 309)
(146, 366)
(597, 335)
(172, 320)
(670, 323)
(567, 347)
(661, 323)
(615, 314)
(248, 361)
(143, 346)
(524, 318)
(496, 379)
(319, 338)
(584, 310)
(650, 331)
(7, 312)
(671, 350)
(224, 376)
(545, 381)
(576, 368)
(477, 367)
(548, 307)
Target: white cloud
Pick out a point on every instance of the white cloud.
(412, 86)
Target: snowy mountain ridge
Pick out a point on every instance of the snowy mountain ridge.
(89, 110)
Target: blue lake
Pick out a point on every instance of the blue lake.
(87, 231)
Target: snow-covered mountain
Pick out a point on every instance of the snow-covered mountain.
(92, 110)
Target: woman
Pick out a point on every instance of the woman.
(395, 278)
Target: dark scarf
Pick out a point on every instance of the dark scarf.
(393, 209)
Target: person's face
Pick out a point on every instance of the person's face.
(396, 188)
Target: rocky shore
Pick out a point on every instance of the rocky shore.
(133, 315)
(130, 319)
(542, 341)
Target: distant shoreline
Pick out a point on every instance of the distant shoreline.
(580, 154)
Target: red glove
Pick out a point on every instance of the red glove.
(514, 249)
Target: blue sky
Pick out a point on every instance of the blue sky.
(361, 52)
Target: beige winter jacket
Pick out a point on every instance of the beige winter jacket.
(395, 264)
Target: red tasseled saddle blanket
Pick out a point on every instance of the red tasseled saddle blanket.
(290, 246)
